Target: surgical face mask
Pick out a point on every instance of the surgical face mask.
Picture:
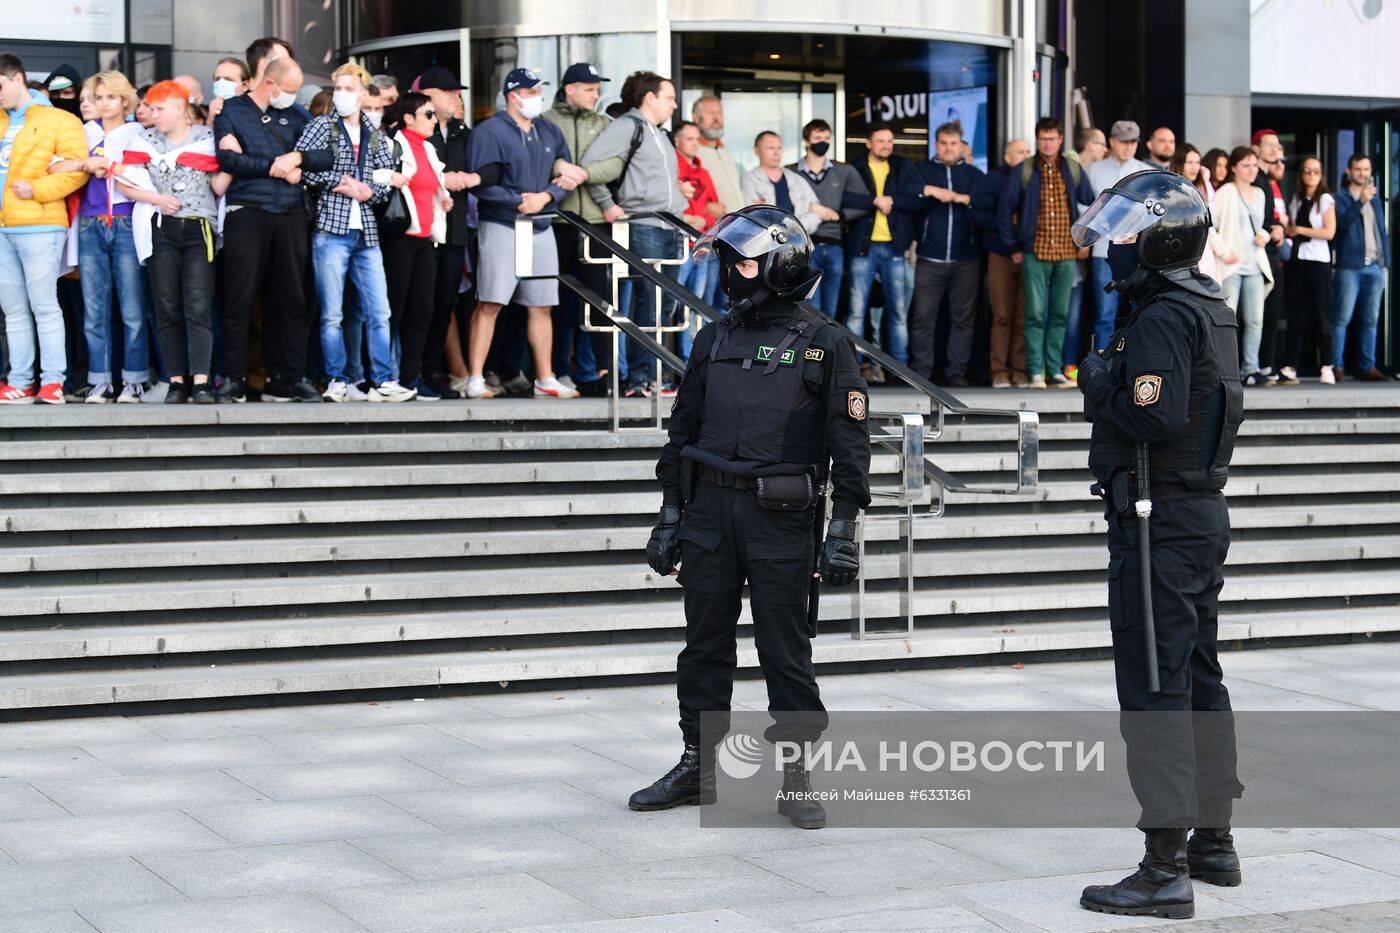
(345, 102)
(531, 107)
(1122, 260)
(225, 88)
(713, 133)
(820, 149)
(282, 100)
(375, 117)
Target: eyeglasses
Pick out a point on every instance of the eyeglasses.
(428, 115)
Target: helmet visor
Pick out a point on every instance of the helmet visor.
(741, 234)
(1115, 218)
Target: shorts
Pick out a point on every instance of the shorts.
(495, 275)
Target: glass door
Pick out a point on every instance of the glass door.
(779, 101)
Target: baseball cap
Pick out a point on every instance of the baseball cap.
(1125, 131)
(63, 77)
(521, 77)
(439, 78)
(582, 73)
(1260, 134)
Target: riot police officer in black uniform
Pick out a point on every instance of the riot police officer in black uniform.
(1166, 402)
(772, 395)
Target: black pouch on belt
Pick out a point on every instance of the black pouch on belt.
(787, 493)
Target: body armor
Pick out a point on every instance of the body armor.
(1199, 458)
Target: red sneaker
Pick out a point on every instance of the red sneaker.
(52, 394)
(10, 395)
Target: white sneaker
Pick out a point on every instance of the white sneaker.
(1002, 383)
(459, 384)
(101, 395)
(553, 388)
(1328, 377)
(1038, 382)
(391, 391)
(354, 393)
(131, 393)
(567, 382)
(337, 391)
(477, 388)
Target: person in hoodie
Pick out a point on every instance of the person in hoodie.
(949, 256)
(650, 183)
(575, 114)
(33, 227)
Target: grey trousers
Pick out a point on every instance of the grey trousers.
(931, 280)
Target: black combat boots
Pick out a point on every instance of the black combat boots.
(682, 784)
(1161, 887)
(796, 802)
(1211, 857)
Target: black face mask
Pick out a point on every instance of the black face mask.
(1122, 260)
(744, 294)
(820, 149)
(68, 105)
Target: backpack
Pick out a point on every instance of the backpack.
(615, 186)
(374, 138)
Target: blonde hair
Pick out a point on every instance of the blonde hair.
(355, 71)
(117, 83)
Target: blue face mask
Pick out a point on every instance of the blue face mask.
(1122, 260)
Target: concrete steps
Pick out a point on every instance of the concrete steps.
(153, 554)
(433, 670)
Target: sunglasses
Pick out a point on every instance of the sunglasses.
(427, 115)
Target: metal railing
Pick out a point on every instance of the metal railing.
(920, 481)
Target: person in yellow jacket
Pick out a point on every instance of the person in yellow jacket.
(33, 225)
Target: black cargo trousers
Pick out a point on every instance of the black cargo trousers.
(1180, 741)
(728, 538)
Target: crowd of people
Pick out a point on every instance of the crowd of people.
(158, 245)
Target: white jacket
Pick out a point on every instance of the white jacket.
(410, 168)
(1229, 206)
(757, 189)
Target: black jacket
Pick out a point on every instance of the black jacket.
(810, 409)
(901, 218)
(263, 137)
(452, 150)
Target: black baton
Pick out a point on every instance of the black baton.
(1144, 514)
(814, 587)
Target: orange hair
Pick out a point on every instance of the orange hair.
(167, 90)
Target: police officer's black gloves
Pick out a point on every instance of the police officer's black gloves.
(664, 547)
(840, 561)
(1092, 370)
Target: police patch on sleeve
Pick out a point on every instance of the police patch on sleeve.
(855, 405)
(815, 354)
(1147, 390)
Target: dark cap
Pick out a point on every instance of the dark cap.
(582, 73)
(521, 77)
(62, 78)
(440, 78)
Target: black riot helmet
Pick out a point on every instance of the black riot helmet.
(1164, 211)
(772, 237)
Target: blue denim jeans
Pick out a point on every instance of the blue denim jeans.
(696, 277)
(107, 255)
(1105, 305)
(334, 257)
(894, 272)
(651, 243)
(1245, 295)
(353, 326)
(1364, 287)
(29, 294)
(830, 259)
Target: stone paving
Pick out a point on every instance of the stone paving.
(508, 812)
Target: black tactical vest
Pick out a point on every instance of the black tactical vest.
(1199, 457)
(759, 408)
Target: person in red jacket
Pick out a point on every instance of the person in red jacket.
(694, 276)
